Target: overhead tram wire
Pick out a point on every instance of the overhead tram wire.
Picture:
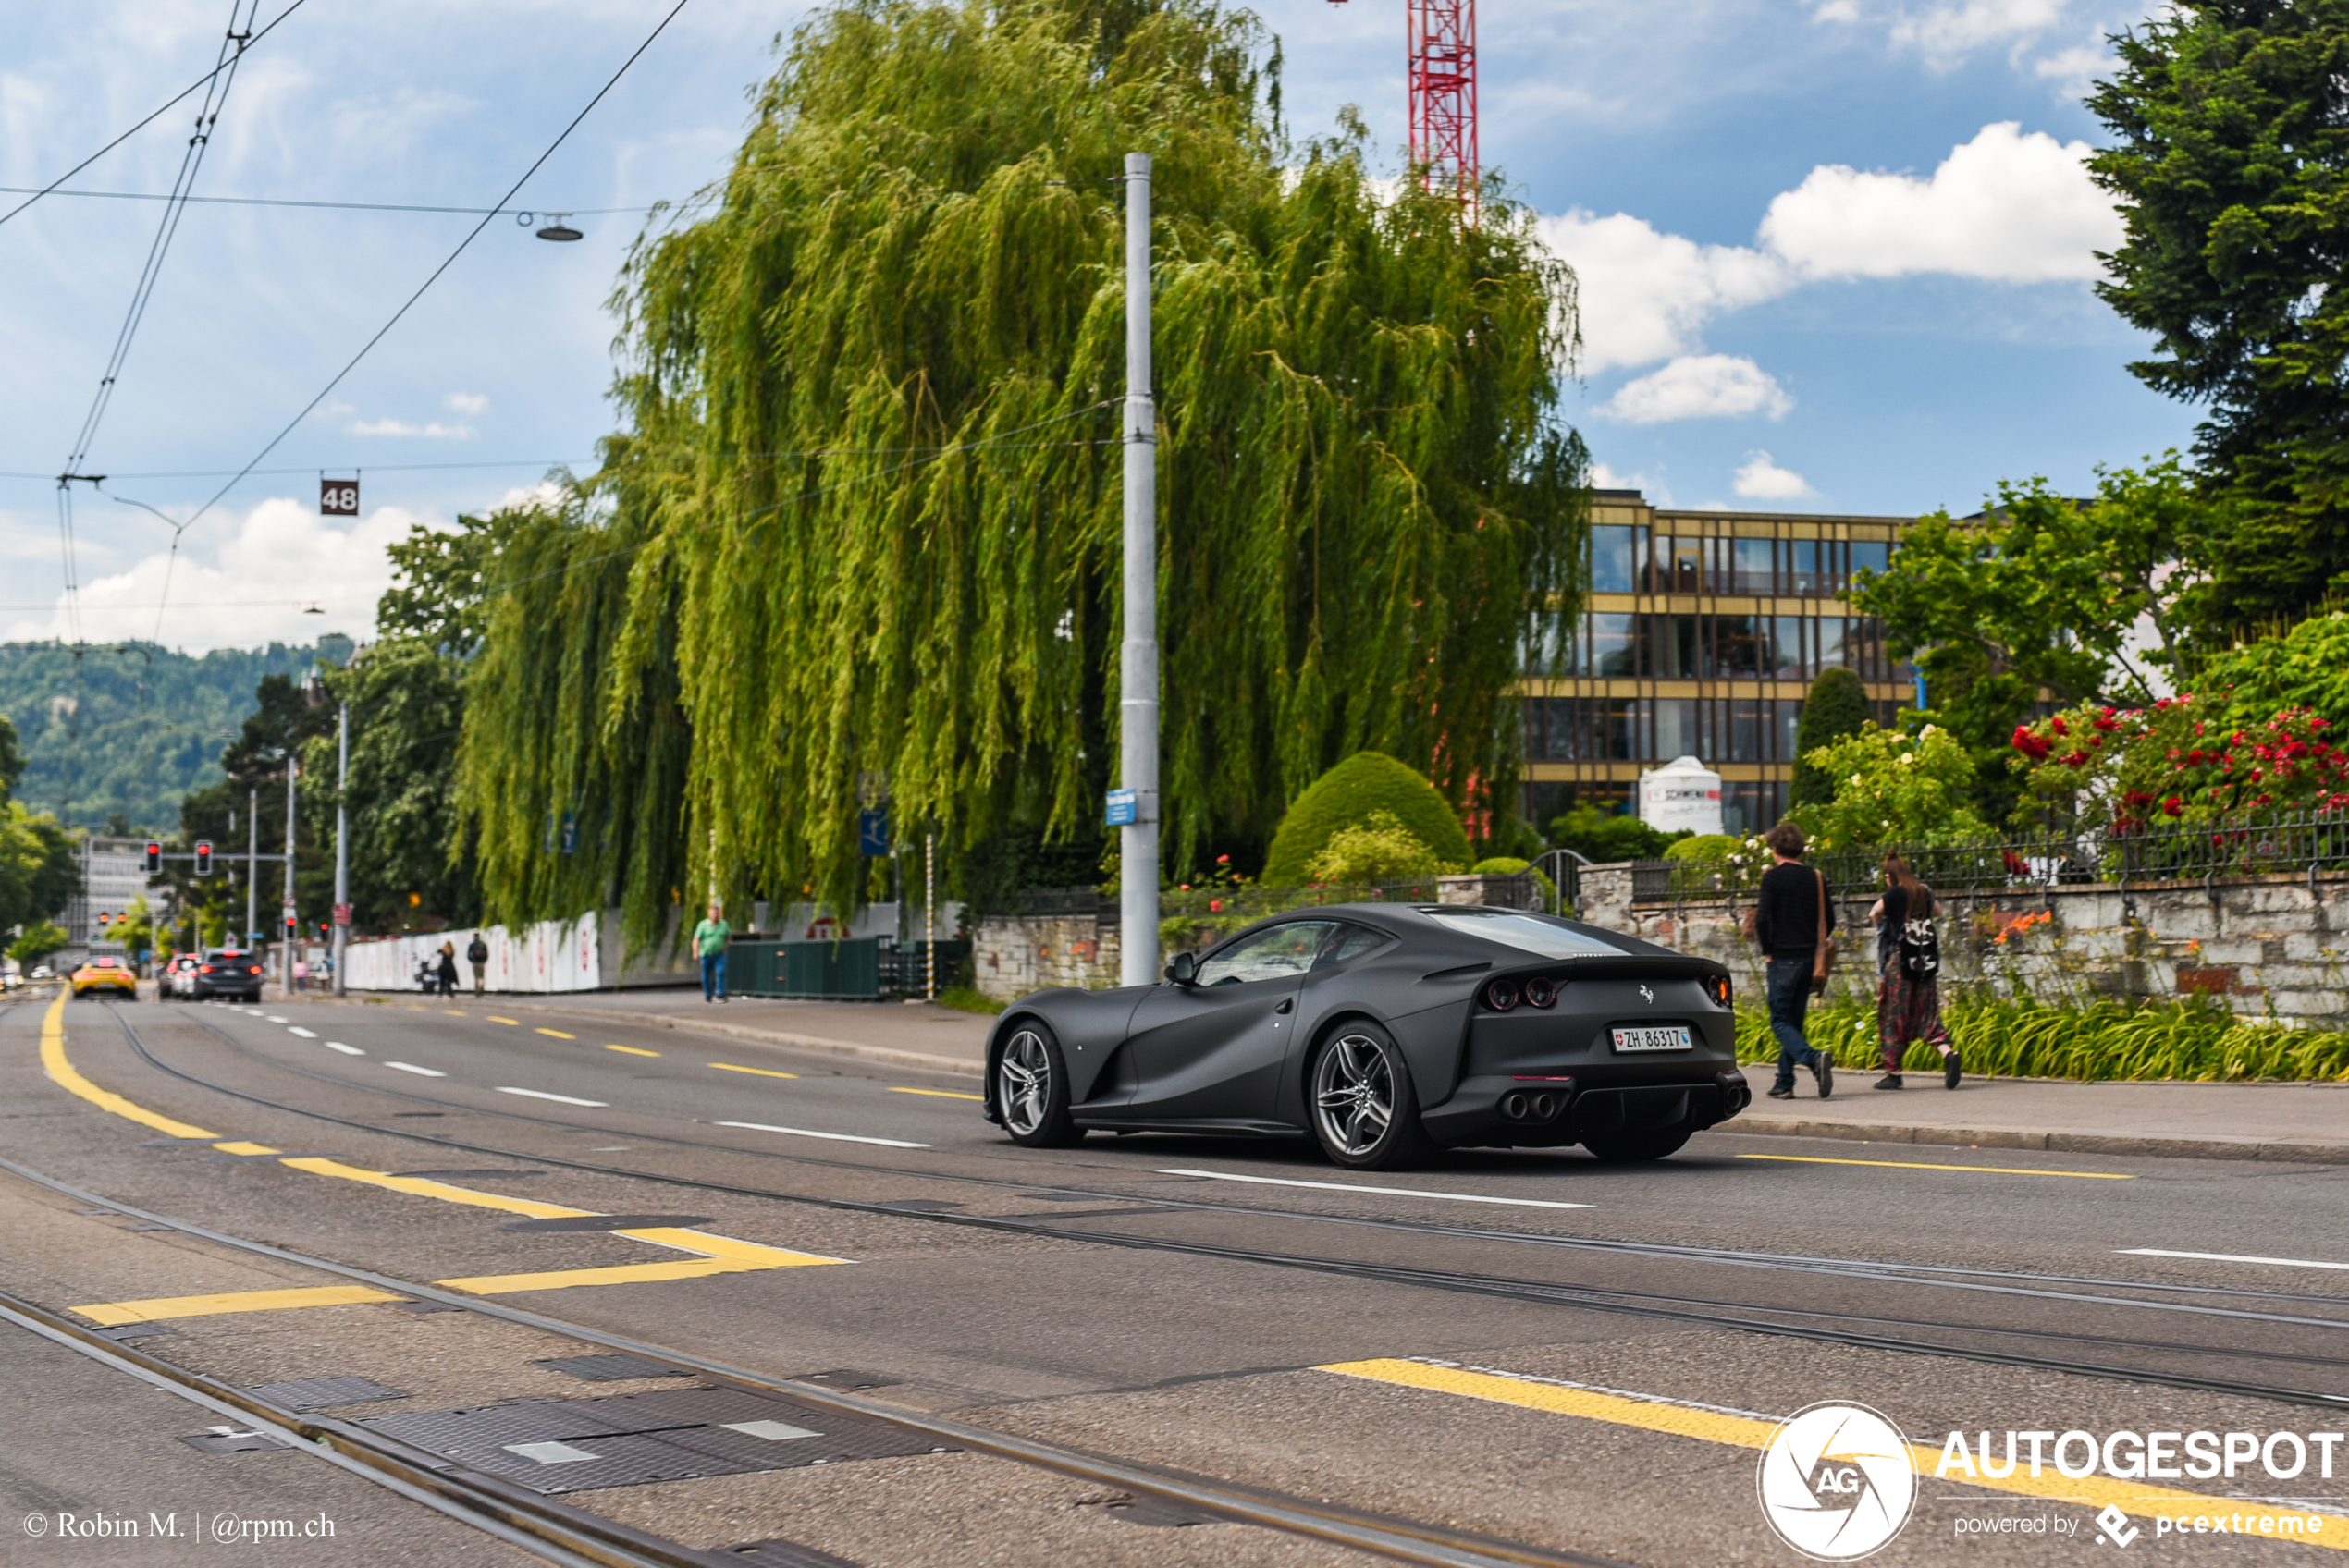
(165, 108)
(337, 206)
(171, 559)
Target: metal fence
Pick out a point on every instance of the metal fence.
(2287, 845)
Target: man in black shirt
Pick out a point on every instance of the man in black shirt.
(1793, 915)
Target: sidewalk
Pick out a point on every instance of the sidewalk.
(2297, 1122)
(2272, 1121)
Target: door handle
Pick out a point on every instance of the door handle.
(1288, 1006)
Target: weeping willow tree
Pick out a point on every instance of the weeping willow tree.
(861, 538)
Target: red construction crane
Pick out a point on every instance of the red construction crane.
(1442, 76)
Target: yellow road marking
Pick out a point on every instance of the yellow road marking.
(719, 1254)
(1919, 1165)
(61, 1073)
(112, 1314)
(762, 1072)
(941, 1094)
(450, 1010)
(1742, 1431)
(558, 1034)
(713, 1255)
(423, 1188)
(632, 1050)
(494, 1019)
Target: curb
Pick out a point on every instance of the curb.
(857, 1049)
(2060, 1143)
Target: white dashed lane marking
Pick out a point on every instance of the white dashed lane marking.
(2230, 1257)
(347, 1050)
(834, 1137)
(1380, 1192)
(298, 1029)
(271, 1020)
(543, 1095)
(419, 1071)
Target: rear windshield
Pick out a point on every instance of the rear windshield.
(223, 957)
(1533, 933)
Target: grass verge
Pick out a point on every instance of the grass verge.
(2194, 1040)
(961, 998)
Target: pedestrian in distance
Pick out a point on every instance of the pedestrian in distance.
(1908, 1000)
(446, 970)
(477, 954)
(1793, 922)
(709, 943)
(301, 975)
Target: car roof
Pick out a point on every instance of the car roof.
(1422, 921)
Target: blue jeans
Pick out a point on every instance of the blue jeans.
(713, 976)
(1788, 981)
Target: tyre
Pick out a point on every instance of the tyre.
(1633, 1148)
(1365, 1115)
(1030, 1089)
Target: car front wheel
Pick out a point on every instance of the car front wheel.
(1365, 1115)
(1030, 1089)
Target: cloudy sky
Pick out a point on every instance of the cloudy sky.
(1835, 254)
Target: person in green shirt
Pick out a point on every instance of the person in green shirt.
(709, 942)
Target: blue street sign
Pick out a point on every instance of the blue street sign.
(872, 832)
(570, 832)
(1124, 809)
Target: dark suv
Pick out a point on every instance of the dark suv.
(230, 972)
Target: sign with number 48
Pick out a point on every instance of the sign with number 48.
(338, 497)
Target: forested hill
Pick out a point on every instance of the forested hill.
(148, 727)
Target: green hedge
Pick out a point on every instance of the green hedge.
(1344, 796)
(2197, 1039)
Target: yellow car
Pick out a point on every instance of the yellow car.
(104, 974)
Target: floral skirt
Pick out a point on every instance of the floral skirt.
(1907, 1011)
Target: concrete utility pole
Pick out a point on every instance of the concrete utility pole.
(342, 844)
(284, 920)
(252, 868)
(1138, 661)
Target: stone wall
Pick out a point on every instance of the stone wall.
(2271, 946)
(1018, 953)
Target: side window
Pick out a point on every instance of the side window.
(1350, 941)
(1272, 954)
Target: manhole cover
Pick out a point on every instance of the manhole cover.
(609, 1368)
(231, 1439)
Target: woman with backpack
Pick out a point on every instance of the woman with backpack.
(1908, 1006)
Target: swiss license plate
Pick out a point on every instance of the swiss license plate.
(1667, 1038)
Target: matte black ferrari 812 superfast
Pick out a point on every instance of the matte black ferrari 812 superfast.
(1386, 1032)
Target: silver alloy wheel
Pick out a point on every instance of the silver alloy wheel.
(1025, 1077)
(1353, 1094)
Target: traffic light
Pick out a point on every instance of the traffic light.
(204, 857)
(154, 857)
(321, 930)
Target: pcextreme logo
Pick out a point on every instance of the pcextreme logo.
(1835, 1481)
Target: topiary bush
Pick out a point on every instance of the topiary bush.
(1347, 796)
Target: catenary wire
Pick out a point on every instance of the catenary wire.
(350, 206)
(192, 87)
(172, 557)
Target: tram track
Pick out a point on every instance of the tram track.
(1857, 1330)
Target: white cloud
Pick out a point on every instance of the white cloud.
(467, 402)
(2007, 206)
(1944, 34)
(2073, 70)
(1762, 480)
(399, 427)
(280, 558)
(1699, 386)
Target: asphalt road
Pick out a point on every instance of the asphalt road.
(1529, 1346)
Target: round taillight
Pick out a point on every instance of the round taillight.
(1501, 994)
(1540, 992)
(204, 969)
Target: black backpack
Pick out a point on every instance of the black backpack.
(1920, 947)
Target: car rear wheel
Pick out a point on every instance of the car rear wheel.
(1633, 1148)
(1365, 1115)
(1031, 1089)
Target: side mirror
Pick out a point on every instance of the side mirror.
(1184, 969)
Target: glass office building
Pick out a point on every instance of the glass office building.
(1700, 637)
